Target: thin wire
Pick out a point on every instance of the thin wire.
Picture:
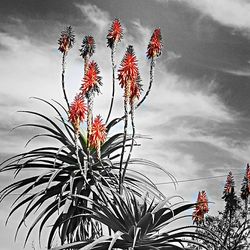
(197, 179)
(181, 181)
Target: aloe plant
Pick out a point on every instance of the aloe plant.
(89, 185)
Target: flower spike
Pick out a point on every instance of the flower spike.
(245, 189)
(155, 44)
(98, 134)
(77, 112)
(91, 80)
(229, 186)
(67, 40)
(201, 208)
(115, 33)
(128, 72)
(88, 46)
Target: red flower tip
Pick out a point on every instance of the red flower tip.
(98, 133)
(135, 90)
(201, 208)
(128, 72)
(115, 33)
(77, 111)
(155, 44)
(66, 40)
(91, 80)
(88, 46)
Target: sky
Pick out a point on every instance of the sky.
(197, 115)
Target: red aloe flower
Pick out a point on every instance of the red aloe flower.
(201, 208)
(135, 91)
(98, 133)
(155, 44)
(88, 46)
(115, 33)
(229, 184)
(77, 112)
(66, 40)
(91, 80)
(128, 72)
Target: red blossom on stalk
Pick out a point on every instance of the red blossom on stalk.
(155, 44)
(201, 208)
(87, 47)
(98, 133)
(91, 80)
(115, 33)
(66, 40)
(229, 184)
(135, 91)
(77, 111)
(128, 72)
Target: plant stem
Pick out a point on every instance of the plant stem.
(132, 142)
(77, 154)
(63, 83)
(89, 128)
(246, 208)
(126, 100)
(113, 83)
(152, 67)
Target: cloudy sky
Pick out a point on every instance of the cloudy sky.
(198, 112)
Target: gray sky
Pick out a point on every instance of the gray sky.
(198, 112)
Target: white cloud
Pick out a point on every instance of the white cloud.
(231, 13)
(95, 16)
(240, 72)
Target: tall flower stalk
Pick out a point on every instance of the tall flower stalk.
(66, 42)
(153, 51)
(91, 85)
(128, 77)
(135, 93)
(232, 203)
(86, 51)
(113, 38)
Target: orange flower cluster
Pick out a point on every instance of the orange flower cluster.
(88, 46)
(91, 80)
(155, 44)
(98, 133)
(201, 208)
(115, 33)
(77, 112)
(128, 75)
(66, 40)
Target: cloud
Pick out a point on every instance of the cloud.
(95, 15)
(240, 72)
(230, 13)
